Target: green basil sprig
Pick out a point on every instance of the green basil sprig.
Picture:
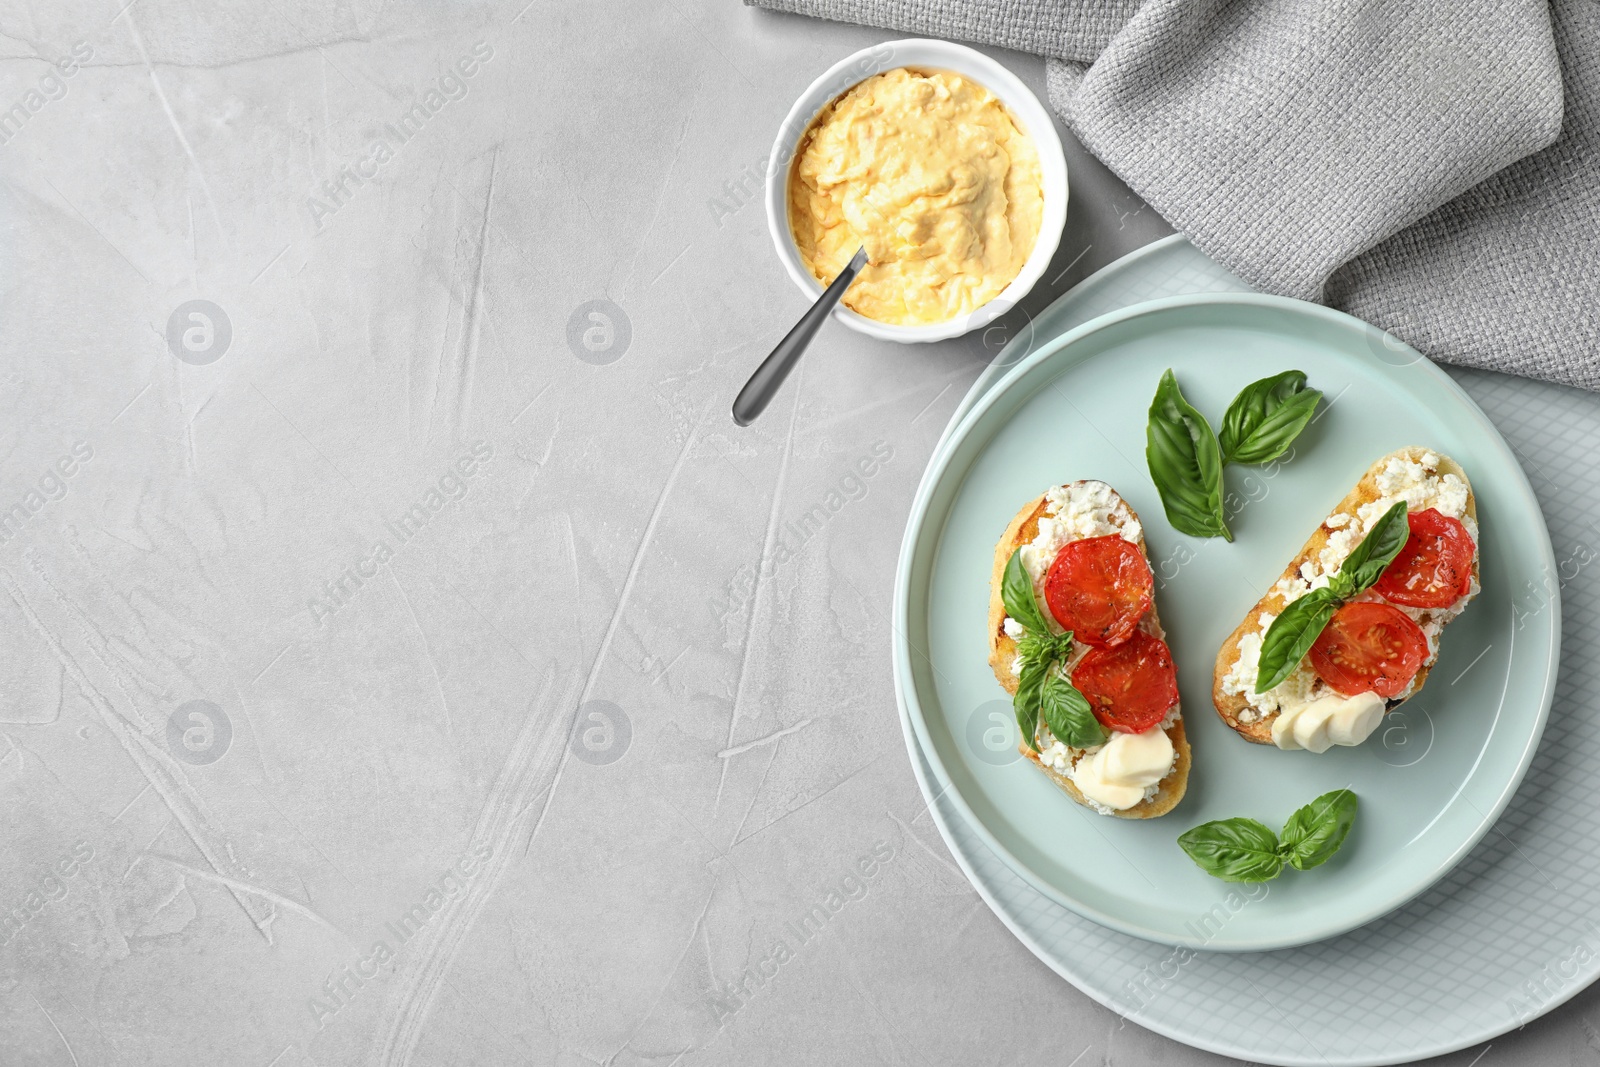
(1185, 463)
(1298, 626)
(1186, 458)
(1266, 417)
(1036, 656)
(1244, 850)
(1041, 688)
(1365, 564)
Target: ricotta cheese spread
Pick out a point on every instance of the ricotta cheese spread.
(1421, 484)
(1071, 513)
(931, 173)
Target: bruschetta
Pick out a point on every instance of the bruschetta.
(1073, 561)
(1379, 634)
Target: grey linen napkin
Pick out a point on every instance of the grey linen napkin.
(1431, 166)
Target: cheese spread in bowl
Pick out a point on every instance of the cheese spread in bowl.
(938, 160)
(930, 172)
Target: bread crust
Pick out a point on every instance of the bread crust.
(1003, 650)
(1229, 705)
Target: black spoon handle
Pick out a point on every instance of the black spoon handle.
(763, 384)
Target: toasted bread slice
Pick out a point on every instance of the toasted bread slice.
(1003, 652)
(1234, 707)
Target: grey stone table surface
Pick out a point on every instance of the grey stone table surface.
(406, 661)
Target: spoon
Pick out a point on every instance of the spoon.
(763, 384)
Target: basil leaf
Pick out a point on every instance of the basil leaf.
(1366, 562)
(1066, 711)
(1016, 593)
(1266, 417)
(1027, 721)
(1030, 686)
(1038, 684)
(1185, 463)
(1314, 833)
(1291, 636)
(1235, 850)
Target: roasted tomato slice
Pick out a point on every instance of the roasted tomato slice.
(1099, 588)
(1130, 687)
(1369, 647)
(1434, 569)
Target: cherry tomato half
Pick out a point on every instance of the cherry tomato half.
(1434, 569)
(1099, 588)
(1369, 647)
(1130, 687)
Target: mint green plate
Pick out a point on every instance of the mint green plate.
(1431, 782)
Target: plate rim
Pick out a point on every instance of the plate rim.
(939, 464)
(1084, 286)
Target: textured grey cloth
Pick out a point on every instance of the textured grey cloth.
(1428, 165)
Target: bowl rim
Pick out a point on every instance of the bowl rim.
(925, 53)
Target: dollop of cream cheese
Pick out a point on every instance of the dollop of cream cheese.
(1328, 720)
(1120, 772)
(931, 172)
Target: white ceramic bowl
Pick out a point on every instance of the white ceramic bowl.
(937, 55)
